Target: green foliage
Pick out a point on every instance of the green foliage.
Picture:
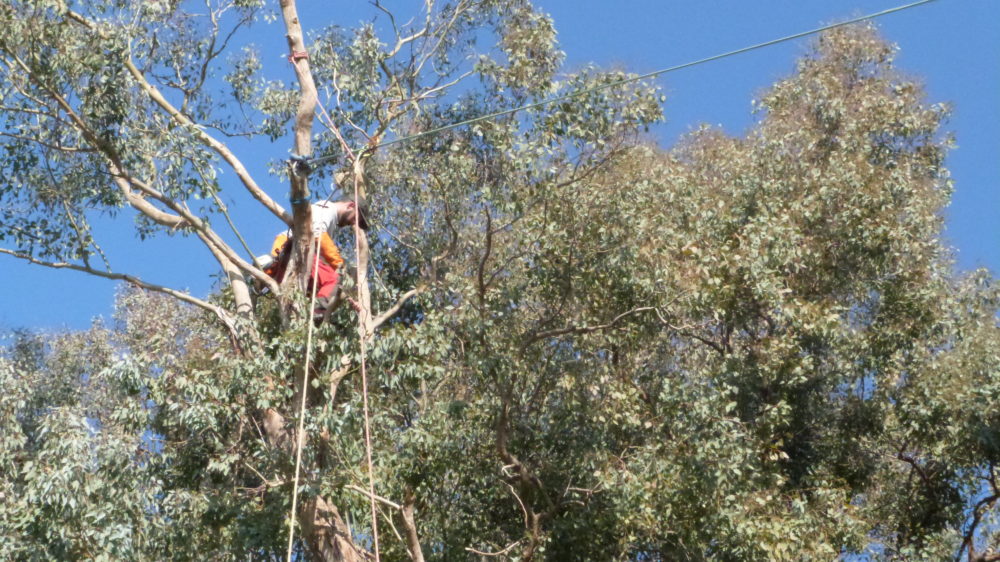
(743, 348)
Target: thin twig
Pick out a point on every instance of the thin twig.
(498, 553)
(386, 501)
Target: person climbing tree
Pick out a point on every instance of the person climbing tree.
(326, 217)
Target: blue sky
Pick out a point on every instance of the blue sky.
(953, 46)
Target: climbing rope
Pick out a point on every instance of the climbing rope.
(299, 436)
(362, 337)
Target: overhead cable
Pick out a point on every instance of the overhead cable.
(316, 161)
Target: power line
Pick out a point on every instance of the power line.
(488, 116)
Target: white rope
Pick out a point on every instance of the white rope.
(362, 337)
(302, 406)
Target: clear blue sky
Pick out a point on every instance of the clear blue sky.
(952, 45)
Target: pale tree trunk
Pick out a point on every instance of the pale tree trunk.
(298, 270)
(410, 525)
(328, 537)
(323, 529)
(366, 325)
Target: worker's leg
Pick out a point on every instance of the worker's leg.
(328, 279)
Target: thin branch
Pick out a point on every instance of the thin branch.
(221, 149)
(218, 311)
(336, 131)
(916, 467)
(977, 515)
(388, 519)
(480, 271)
(232, 225)
(586, 329)
(498, 553)
(431, 91)
(524, 510)
(59, 147)
(208, 236)
(382, 318)
(361, 490)
(460, 8)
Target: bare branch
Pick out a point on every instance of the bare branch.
(480, 271)
(209, 236)
(221, 149)
(497, 553)
(379, 498)
(59, 147)
(586, 329)
(336, 131)
(232, 225)
(968, 541)
(441, 33)
(218, 311)
(382, 318)
(524, 510)
(431, 91)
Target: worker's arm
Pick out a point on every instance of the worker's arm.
(329, 251)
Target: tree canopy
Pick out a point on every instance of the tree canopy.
(578, 345)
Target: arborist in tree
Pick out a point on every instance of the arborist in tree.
(326, 217)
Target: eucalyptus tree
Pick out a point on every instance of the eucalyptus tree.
(113, 110)
(578, 346)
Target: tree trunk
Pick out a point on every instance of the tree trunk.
(327, 535)
(298, 270)
(323, 529)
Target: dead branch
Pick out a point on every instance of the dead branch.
(360, 490)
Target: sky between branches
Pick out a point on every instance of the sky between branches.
(953, 45)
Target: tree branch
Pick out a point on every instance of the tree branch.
(208, 140)
(968, 541)
(220, 148)
(586, 329)
(382, 318)
(218, 311)
(410, 525)
(498, 553)
(377, 497)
